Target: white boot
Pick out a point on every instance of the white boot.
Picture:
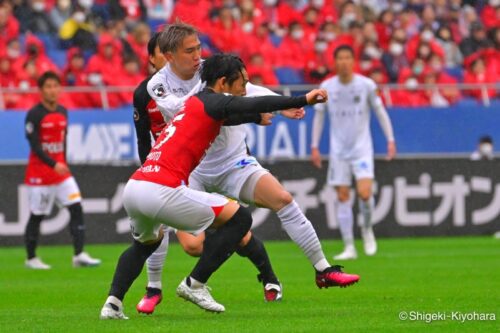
(369, 242)
(349, 253)
(84, 260)
(199, 296)
(36, 263)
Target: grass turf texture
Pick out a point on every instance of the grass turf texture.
(428, 275)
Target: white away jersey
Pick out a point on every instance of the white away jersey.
(170, 92)
(349, 112)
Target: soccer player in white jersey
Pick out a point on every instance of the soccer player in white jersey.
(226, 168)
(351, 96)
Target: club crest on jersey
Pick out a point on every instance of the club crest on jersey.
(159, 90)
(136, 115)
(357, 99)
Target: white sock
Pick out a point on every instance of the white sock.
(345, 218)
(115, 301)
(321, 265)
(366, 208)
(195, 284)
(155, 263)
(301, 231)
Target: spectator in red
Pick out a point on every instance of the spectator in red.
(225, 32)
(310, 24)
(377, 74)
(490, 14)
(410, 95)
(131, 78)
(327, 10)
(9, 26)
(258, 67)
(75, 75)
(429, 17)
(27, 75)
(426, 37)
(104, 68)
(8, 80)
(477, 72)
(349, 13)
(35, 51)
(138, 41)
(477, 41)
(384, 29)
(292, 48)
(450, 92)
(250, 17)
(260, 42)
(371, 56)
(416, 70)
(316, 66)
(433, 95)
(194, 12)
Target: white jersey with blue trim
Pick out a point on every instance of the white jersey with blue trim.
(229, 148)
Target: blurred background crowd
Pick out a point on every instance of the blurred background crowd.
(94, 43)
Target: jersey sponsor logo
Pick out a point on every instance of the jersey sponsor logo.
(246, 161)
(150, 168)
(53, 147)
(136, 115)
(357, 99)
(159, 90)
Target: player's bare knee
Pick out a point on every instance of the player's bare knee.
(364, 194)
(193, 249)
(343, 196)
(245, 239)
(283, 199)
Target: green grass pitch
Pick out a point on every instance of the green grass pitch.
(425, 275)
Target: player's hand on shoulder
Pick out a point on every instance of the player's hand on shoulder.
(294, 113)
(61, 168)
(316, 96)
(266, 119)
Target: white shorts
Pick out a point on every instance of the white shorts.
(237, 182)
(42, 197)
(340, 171)
(149, 205)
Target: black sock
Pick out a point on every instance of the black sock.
(31, 234)
(220, 245)
(256, 252)
(76, 227)
(129, 267)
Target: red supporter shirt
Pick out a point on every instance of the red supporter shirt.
(46, 133)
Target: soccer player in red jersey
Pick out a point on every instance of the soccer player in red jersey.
(164, 178)
(47, 174)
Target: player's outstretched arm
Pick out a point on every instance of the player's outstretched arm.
(266, 104)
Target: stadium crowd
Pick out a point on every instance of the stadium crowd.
(92, 43)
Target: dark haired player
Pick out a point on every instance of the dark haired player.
(157, 192)
(47, 174)
(352, 96)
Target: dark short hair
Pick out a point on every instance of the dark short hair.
(486, 139)
(173, 35)
(343, 48)
(153, 42)
(221, 65)
(49, 75)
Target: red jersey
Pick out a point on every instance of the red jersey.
(46, 133)
(185, 140)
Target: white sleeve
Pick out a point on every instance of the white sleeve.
(255, 91)
(318, 123)
(380, 111)
(168, 103)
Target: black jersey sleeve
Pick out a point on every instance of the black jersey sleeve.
(64, 111)
(238, 119)
(32, 130)
(142, 122)
(220, 106)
